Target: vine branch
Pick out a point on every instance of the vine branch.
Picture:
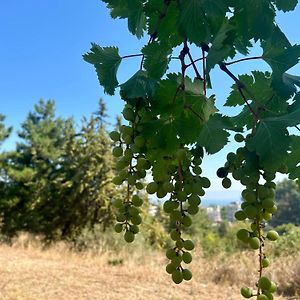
(242, 59)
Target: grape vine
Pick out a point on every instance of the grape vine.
(173, 121)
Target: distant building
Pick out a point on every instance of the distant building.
(231, 210)
(214, 213)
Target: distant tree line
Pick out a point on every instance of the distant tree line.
(57, 180)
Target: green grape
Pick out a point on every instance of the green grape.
(134, 228)
(239, 138)
(243, 235)
(237, 174)
(205, 182)
(152, 188)
(269, 295)
(186, 221)
(222, 172)
(187, 257)
(139, 185)
(240, 215)
(177, 276)
(272, 210)
(265, 262)
(267, 216)
(137, 201)
(117, 151)
(268, 203)
(231, 157)
(136, 220)
(121, 218)
(273, 287)
(133, 211)
(181, 196)
(118, 228)
(262, 297)
(175, 235)
(129, 236)
(175, 215)
(197, 170)
(263, 192)
(226, 182)
(193, 210)
(272, 235)
(188, 188)
(264, 283)
(127, 139)
(246, 292)
(131, 180)
(176, 260)
(250, 196)
(187, 274)
(139, 141)
(250, 211)
(161, 193)
(117, 180)
(117, 203)
(170, 268)
(253, 227)
(188, 245)
(114, 135)
(179, 244)
(197, 161)
(168, 187)
(254, 243)
(171, 253)
(168, 206)
(128, 114)
(194, 200)
(128, 154)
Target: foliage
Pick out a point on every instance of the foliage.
(288, 202)
(172, 118)
(57, 181)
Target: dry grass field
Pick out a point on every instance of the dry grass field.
(29, 273)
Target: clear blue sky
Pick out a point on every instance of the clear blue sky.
(41, 49)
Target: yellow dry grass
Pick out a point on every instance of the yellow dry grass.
(29, 273)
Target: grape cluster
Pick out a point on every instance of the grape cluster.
(258, 205)
(132, 168)
(176, 175)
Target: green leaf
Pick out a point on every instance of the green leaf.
(192, 22)
(270, 142)
(133, 10)
(222, 46)
(293, 159)
(253, 19)
(156, 59)
(138, 86)
(213, 136)
(286, 5)
(106, 61)
(292, 118)
(291, 81)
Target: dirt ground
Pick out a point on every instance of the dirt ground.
(31, 274)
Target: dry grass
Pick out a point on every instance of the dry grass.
(29, 273)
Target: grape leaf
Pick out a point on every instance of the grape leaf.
(156, 59)
(291, 81)
(213, 136)
(222, 46)
(253, 19)
(286, 5)
(192, 22)
(106, 61)
(293, 159)
(138, 86)
(270, 142)
(132, 10)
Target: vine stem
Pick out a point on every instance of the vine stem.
(260, 252)
(198, 76)
(132, 55)
(162, 14)
(204, 70)
(242, 59)
(240, 87)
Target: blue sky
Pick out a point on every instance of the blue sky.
(41, 49)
